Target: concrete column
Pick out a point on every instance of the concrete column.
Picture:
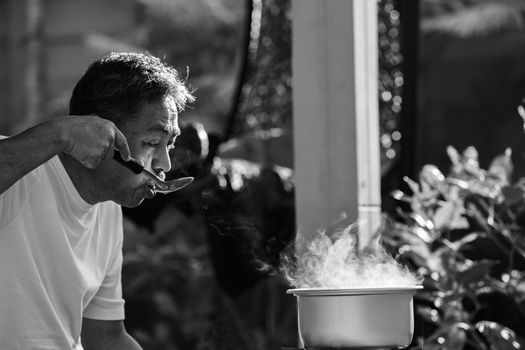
(336, 126)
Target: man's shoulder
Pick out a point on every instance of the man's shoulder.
(28, 189)
(111, 215)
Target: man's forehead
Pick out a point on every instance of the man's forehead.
(166, 126)
(157, 117)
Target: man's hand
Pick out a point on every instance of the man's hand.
(90, 139)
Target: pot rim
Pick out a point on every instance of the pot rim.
(354, 290)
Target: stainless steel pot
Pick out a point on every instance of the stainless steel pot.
(355, 318)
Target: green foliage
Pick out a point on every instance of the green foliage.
(194, 281)
(266, 96)
(391, 81)
(464, 234)
(168, 282)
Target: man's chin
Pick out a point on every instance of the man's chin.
(132, 202)
(138, 198)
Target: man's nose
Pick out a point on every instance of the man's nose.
(162, 162)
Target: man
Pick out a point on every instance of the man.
(60, 191)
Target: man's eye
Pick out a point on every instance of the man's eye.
(153, 143)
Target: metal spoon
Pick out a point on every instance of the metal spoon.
(161, 186)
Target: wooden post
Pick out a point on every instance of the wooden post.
(336, 126)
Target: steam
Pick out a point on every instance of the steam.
(334, 261)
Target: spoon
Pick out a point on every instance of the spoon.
(161, 186)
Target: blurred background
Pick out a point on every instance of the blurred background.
(199, 269)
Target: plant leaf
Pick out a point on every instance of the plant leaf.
(498, 336)
(476, 271)
(429, 314)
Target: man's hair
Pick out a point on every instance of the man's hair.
(117, 85)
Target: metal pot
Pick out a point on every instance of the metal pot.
(355, 318)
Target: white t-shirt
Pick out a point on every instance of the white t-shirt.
(60, 260)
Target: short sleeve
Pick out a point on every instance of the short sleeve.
(108, 304)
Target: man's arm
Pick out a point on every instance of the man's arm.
(106, 335)
(88, 139)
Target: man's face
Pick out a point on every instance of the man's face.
(150, 135)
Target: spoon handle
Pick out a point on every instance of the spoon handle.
(131, 164)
